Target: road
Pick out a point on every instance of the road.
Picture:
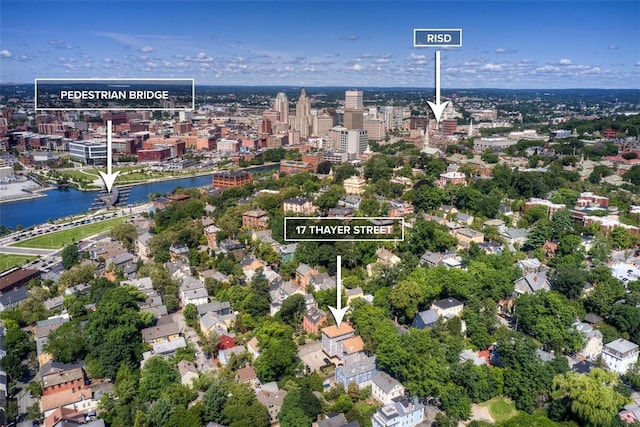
(191, 337)
(43, 229)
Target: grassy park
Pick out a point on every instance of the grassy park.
(500, 408)
(59, 239)
(12, 260)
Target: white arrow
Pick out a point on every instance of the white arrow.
(437, 108)
(109, 178)
(338, 313)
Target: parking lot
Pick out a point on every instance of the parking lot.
(312, 355)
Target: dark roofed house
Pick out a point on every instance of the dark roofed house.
(532, 282)
(17, 278)
(360, 372)
(161, 333)
(12, 298)
(425, 319)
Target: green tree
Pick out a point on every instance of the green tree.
(569, 279)
(190, 313)
(301, 398)
(593, 399)
(213, 401)
(67, 343)
(125, 233)
(158, 373)
(70, 256)
(292, 310)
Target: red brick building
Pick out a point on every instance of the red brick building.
(255, 219)
(231, 179)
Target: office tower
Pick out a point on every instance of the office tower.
(352, 141)
(353, 100)
(303, 119)
(281, 105)
(353, 109)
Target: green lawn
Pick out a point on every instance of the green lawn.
(11, 260)
(501, 408)
(59, 239)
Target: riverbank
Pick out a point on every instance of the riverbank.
(194, 174)
(19, 191)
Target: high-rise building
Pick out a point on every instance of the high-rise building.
(281, 105)
(353, 109)
(322, 124)
(353, 118)
(353, 100)
(351, 141)
(303, 119)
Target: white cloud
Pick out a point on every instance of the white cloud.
(565, 61)
(201, 57)
(356, 67)
(612, 47)
(147, 49)
(5, 53)
(492, 67)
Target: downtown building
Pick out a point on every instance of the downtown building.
(351, 141)
(88, 152)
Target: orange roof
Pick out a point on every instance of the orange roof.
(64, 397)
(334, 331)
(353, 345)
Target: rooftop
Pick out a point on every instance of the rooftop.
(335, 331)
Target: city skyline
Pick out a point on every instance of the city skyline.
(510, 45)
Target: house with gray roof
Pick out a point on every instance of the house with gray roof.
(360, 372)
(619, 355)
(532, 282)
(225, 355)
(425, 319)
(219, 308)
(384, 388)
(400, 412)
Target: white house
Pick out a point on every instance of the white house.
(384, 388)
(619, 355)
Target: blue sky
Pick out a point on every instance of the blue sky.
(506, 44)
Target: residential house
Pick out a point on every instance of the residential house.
(464, 218)
(619, 355)
(161, 333)
(234, 248)
(332, 336)
(211, 233)
(179, 251)
(313, 319)
(630, 414)
(425, 319)
(299, 206)
(250, 265)
(247, 375)
(467, 236)
(225, 355)
(399, 208)
(41, 335)
(593, 341)
(340, 212)
(354, 185)
(335, 420)
(142, 243)
(192, 291)
(273, 401)
(14, 297)
(351, 349)
(532, 282)
(322, 282)
(399, 412)
(256, 219)
(287, 252)
(354, 293)
(360, 372)
(282, 291)
(219, 308)
(497, 223)
(303, 275)
(384, 388)
(351, 201)
(448, 308)
(253, 347)
(515, 236)
(65, 386)
(188, 373)
(433, 259)
(164, 349)
(227, 340)
(211, 322)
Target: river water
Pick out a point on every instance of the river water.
(64, 202)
